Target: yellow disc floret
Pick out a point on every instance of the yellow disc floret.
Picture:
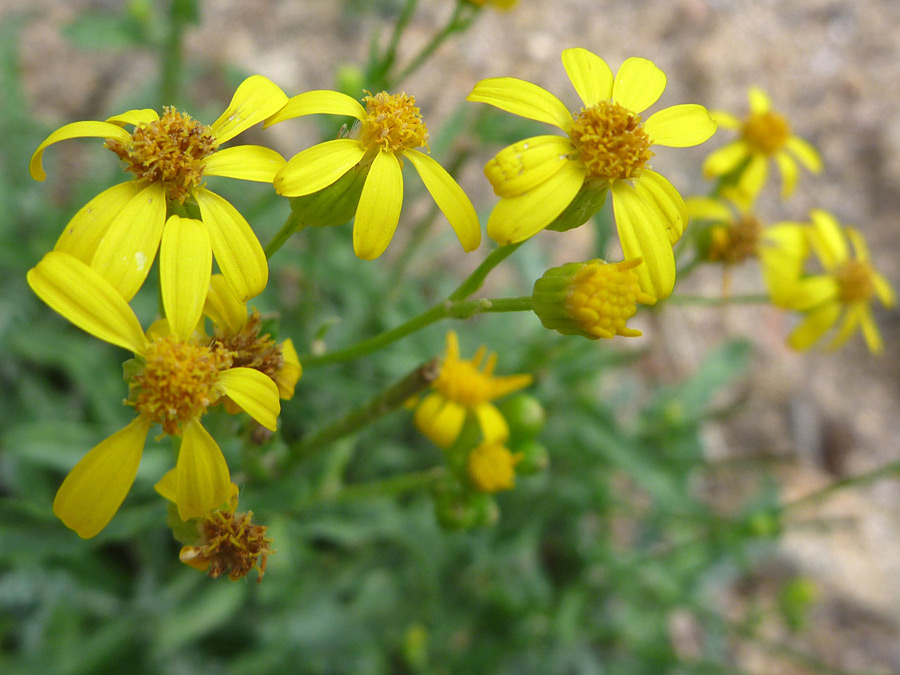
(491, 467)
(461, 380)
(602, 297)
(611, 142)
(393, 123)
(172, 151)
(766, 132)
(178, 381)
(855, 283)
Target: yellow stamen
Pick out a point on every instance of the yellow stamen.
(178, 381)
(602, 297)
(854, 279)
(392, 123)
(611, 142)
(171, 151)
(766, 132)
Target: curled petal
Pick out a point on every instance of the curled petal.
(660, 194)
(86, 230)
(440, 419)
(245, 162)
(517, 218)
(202, 481)
(321, 101)
(227, 312)
(638, 85)
(449, 197)
(254, 392)
(379, 207)
(589, 74)
(523, 99)
(235, 246)
(317, 167)
(255, 99)
(680, 126)
(86, 299)
(185, 266)
(73, 130)
(95, 489)
(524, 165)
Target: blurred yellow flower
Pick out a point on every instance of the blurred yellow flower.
(492, 467)
(735, 232)
(763, 134)
(841, 295)
(389, 131)
(177, 379)
(499, 4)
(464, 386)
(607, 146)
(118, 231)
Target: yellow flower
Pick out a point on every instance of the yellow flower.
(178, 379)
(462, 387)
(118, 231)
(389, 131)
(842, 295)
(491, 467)
(735, 231)
(764, 134)
(607, 146)
(238, 333)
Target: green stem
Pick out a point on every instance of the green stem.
(394, 486)
(170, 77)
(702, 301)
(388, 400)
(460, 309)
(886, 471)
(454, 25)
(291, 225)
(475, 280)
(390, 54)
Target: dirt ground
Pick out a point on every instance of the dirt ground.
(830, 65)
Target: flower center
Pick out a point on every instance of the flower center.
(491, 467)
(854, 279)
(463, 383)
(602, 297)
(249, 349)
(178, 381)
(171, 151)
(735, 242)
(393, 123)
(766, 132)
(611, 142)
(230, 544)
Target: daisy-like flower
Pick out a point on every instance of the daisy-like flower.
(764, 134)
(389, 131)
(464, 386)
(118, 231)
(176, 379)
(841, 296)
(607, 146)
(239, 333)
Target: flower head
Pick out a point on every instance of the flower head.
(465, 386)
(118, 231)
(175, 379)
(764, 134)
(492, 467)
(842, 295)
(607, 146)
(390, 130)
(735, 231)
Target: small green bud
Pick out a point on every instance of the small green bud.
(524, 414)
(534, 457)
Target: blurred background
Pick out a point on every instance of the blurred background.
(657, 541)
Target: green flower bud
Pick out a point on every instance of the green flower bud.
(587, 203)
(333, 205)
(534, 457)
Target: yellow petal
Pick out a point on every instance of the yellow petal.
(589, 74)
(523, 99)
(125, 254)
(379, 207)
(828, 240)
(135, 117)
(782, 254)
(202, 481)
(227, 312)
(507, 384)
(638, 85)
(870, 330)
(317, 167)
(660, 194)
(524, 165)
(320, 101)
(860, 247)
(680, 126)
(256, 98)
(286, 378)
(642, 235)
(517, 218)
(73, 130)
(759, 101)
(235, 247)
(884, 290)
(853, 317)
(86, 299)
(814, 325)
(95, 489)
(167, 486)
(804, 152)
(708, 208)
(86, 230)
(492, 423)
(440, 420)
(253, 391)
(787, 167)
(449, 197)
(725, 159)
(246, 162)
(813, 291)
(185, 266)
(753, 177)
(724, 119)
